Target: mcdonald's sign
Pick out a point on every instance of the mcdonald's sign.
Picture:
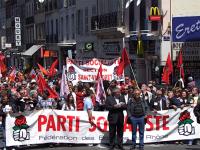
(155, 14)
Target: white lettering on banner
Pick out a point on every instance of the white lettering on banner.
(56, 126)
(86, 70)
(182, 30)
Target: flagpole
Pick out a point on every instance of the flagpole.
(134, 76)
(123, 44)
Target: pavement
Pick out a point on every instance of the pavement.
(105, 147)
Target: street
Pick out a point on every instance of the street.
(105, 147)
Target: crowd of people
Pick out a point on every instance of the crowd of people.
(22, 94)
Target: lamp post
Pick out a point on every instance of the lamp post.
(42, 2)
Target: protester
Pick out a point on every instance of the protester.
(184, 99)
(124, 93)
(146, 95)
(197, 112)
(115, 104)
(194, 97)
(174, 103)
(137, 109)
(191, 83)
(159, 102)
(79, 97)
(113, 84)
(69, 104)
(45, 102)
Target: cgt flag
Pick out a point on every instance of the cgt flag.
(64, 89)
(124, 61)
(100, 92)
(167, 70)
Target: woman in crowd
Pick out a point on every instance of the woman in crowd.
(69, 103)
(184, 99)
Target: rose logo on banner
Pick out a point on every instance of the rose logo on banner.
(115, 76)
(71, 74)
(185, 124)
(20, 129)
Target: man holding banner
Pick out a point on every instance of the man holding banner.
(115, 105)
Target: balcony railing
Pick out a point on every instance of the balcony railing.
(109, 20)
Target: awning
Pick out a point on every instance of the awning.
(67, 44)
(31, 50)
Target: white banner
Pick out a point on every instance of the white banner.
(56, 126)
(86, 70)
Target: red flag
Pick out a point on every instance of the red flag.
(99, 74)
(167, 70)
(52, 93)
(2, 64)
(52, 70)
(124, 61)
(42, 86)
(43, 70)
(180, 64)
(41, 83)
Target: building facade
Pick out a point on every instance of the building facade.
(186, 37)
(85, 29)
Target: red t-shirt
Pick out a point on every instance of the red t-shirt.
(79, 101)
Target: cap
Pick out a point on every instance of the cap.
(33, 81)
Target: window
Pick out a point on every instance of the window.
(86, 20)
(74, 2)
(61, 28)
(56, 34)
(70, 2)
(143, 22)
(47, 31)
(51, 31)
(94, 10)
(55, 4)
(67, 27)
(73, 28)
(132, 24)
(80, 22)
